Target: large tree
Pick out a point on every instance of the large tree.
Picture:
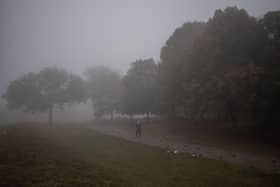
(210, 68)
(224, 62)
(268, 102)
(140, 94)
(41, 92)
(104, 88)
(231, 36)
(174, 54)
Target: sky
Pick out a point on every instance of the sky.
(76, 34)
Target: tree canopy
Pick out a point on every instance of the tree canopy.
(41, 92)
(104, 88)
(174, 55)
(140, 93)
(226, 68)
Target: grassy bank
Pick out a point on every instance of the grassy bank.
(71, 155)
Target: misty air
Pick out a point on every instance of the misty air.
(130, 93)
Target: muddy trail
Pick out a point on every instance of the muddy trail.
(176, 144)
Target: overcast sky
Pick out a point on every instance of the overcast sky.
(77, 34)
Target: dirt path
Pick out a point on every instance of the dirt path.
(266, 162)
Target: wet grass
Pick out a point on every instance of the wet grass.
(71, 155)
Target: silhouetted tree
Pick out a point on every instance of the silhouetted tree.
(268, 102)
(210, 69)
(222, 58)
(174, 55)
(140, 94)
(104, 89)
(41, 92)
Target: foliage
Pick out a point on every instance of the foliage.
(174, 55)
(268, 102)
(223, 58)
(104, 89)
(140, 93)
(41, 92)
(224, 69)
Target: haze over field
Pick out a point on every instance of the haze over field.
(139, 93)
(76, 34)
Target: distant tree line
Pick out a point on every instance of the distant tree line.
(225, 69)
(135, 93)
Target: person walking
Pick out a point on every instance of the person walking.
(138, 129)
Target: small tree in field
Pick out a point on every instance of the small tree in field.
(41, 92)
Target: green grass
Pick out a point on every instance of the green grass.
(76, 156)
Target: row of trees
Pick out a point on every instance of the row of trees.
(108, 91)
(225, 69)
(135, 93)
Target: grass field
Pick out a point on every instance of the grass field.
(72, 155)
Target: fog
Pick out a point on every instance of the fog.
(140, 93)
(77, 34)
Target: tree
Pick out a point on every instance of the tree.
(174, 55)
(211, 69)
(231, 93)
(268, 102)
(140, 94)
(41, 92)
(104, 89)
(223, 59)
(271, 37)
(231, 36)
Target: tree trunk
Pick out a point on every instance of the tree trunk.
(51, 115)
